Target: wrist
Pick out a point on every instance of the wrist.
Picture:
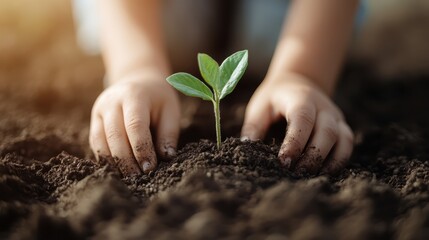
(295, 77)
(141, 74)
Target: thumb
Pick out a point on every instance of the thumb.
(257, 119)
(168, 131)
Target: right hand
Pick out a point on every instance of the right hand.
(318, 138)
(121, 119)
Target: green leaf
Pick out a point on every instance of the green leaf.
(190, 86)
(209, 69)
(231, 71)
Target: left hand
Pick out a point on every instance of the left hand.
(318, 139)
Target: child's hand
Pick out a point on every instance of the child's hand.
(122, 117)
(317, 136)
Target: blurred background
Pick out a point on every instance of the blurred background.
(42, 67)
(394, 39)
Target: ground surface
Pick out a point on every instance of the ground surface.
(50, 187)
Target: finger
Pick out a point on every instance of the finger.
(118, 142)
(342, 152)
(97, 138)
(137, 126)
(168, 131)
(257, 119)
(300, 120)
(324, 137)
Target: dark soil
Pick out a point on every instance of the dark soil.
(50, 187)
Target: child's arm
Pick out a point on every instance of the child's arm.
(301, 78)
(138, 96)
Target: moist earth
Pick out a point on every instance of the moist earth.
(52, 188)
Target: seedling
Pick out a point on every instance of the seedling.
(222, 79)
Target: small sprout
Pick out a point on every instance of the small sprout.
(222, 80)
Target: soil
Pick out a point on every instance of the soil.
(51, 187)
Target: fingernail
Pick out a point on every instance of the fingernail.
(147, 166)
(244, 138)
(285, 162)
(171, 152)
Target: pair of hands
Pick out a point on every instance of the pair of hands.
(317, 137)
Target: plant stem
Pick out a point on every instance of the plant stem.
(217, 119)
